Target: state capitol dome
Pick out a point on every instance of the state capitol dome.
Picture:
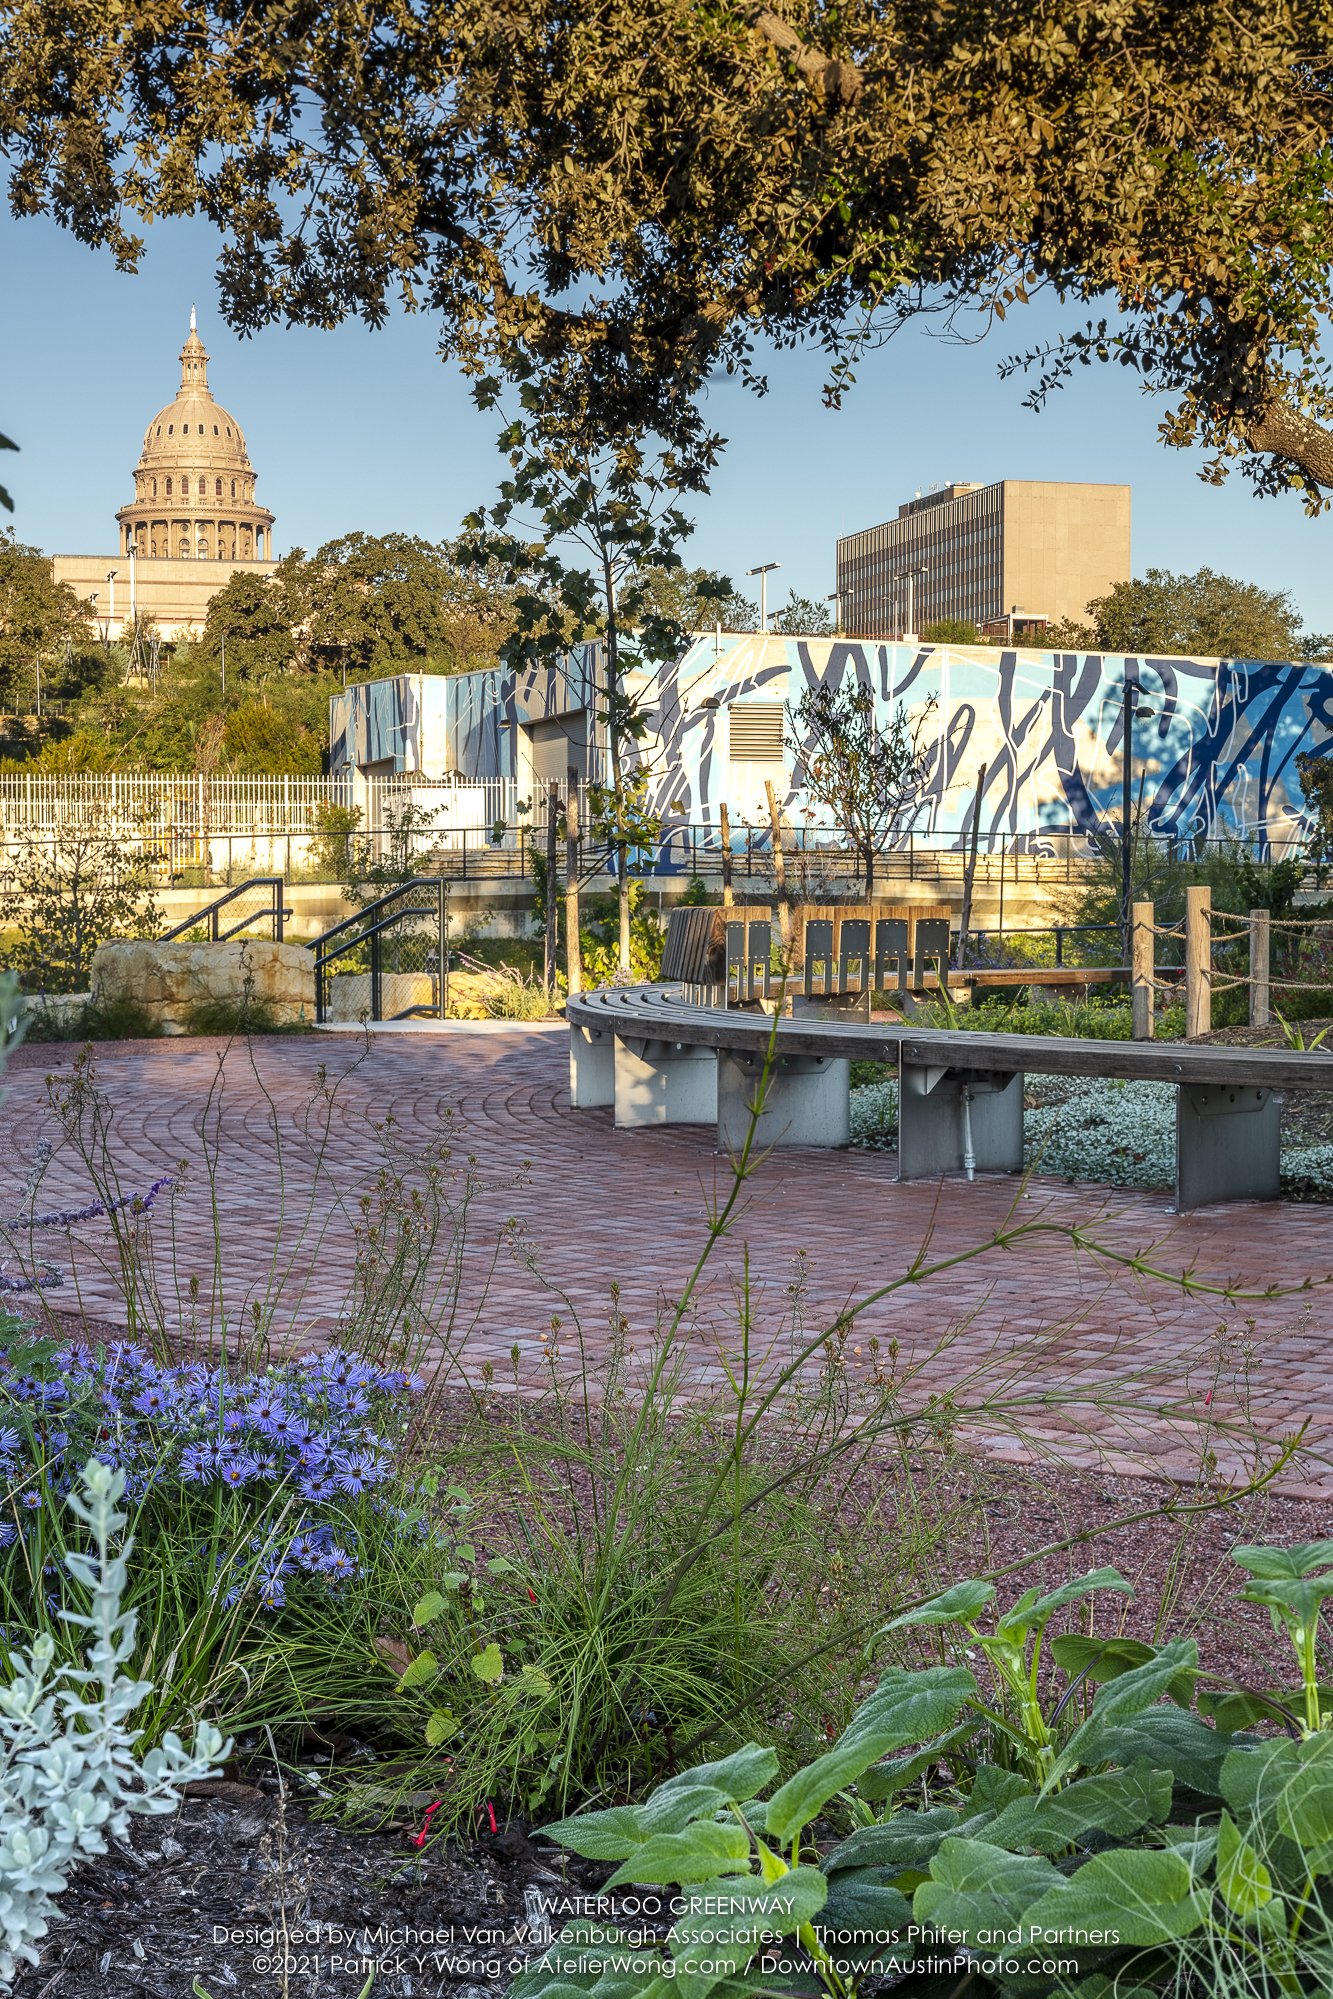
(194, 485)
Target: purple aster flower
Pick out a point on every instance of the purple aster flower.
(199, 1462)
(8, 1534)
(351, 1401)
(10, 1441)
(151, 1402)
(308, 1453)
(317, 1484)
(272, 1593)
(287, 1428)
(234, 1421)
(32, 1499)
(338, 1564)
(236, 1471)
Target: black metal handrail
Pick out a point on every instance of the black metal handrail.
(274, 913)
(354, 931)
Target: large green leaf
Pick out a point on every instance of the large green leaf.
(1119, 1700)
(1285, 1563)
(1131, 1896)
(1244, 1883)
(1118, 1802)
(589, 1957)
(865, 1923)
(1244, 1706)
(909, 1839)
(1180, 1743)
(1099, 1659)
(605, 1835)
(700, 1851)
(905, 1707)
(1289, 1787)
(882, 1780)
(1032, 1611)
(976, 1888)
(736, 1777)
(709, 1944)
(962, 1604)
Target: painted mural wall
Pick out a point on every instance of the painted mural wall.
(1214, 743)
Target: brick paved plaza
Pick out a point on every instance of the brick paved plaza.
(598, 1206)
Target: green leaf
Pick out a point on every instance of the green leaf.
(1031, 1611)
(1285, 1563)
(1117, 1803)
(441, 1727)
(422, 1669)
(1247, 1705)
(974, 1887)
(904, 1707)
(736, 1777)
(1170, 1740)
(605, 1835)
(1119, 1700)
(708, 1946)
(1244, 1883)
(698, 1853)
(960, 1605)
(863, 1920)
(1134, 1896)
(428, 1609)
(909, 1839)
(882, 1780)
(1100, 1659)
(1289, 1785)
(489, 1664)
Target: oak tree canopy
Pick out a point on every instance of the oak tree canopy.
(639, 192)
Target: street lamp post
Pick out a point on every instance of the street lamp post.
(909, 577)
(224, 662)
(762, 572)
(111, 576)
(835, 598)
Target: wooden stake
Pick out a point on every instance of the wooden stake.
(1261, 931)
(1198, 962)
(1142, 971)
(573, 862)
(724, 827)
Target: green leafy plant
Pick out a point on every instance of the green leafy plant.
(1130, 1843)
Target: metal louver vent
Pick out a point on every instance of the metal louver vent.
(756, 731)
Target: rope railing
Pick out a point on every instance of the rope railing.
(1201, 975)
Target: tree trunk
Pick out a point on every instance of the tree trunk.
(552, 882)
(970, 871)
(779, 875)
(573, 863)
(724, 829)
(1286, 433)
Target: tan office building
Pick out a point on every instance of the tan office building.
(1010, 558)
(193, 522)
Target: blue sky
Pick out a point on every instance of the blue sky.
(373, 430)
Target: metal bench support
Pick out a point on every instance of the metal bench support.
(592, 1067)
(663, 1082)
(958, 1120)
(807, 1100)
(1226, 1145)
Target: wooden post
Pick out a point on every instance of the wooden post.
(573, 863)
(970, 872)
(1261, 927)
(552, 880)
(1142, 969)
(779, 875)
(1198, 961)
(724, 828)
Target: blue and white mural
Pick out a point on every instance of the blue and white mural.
(1213, 750)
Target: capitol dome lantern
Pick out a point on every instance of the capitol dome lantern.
(194, 485)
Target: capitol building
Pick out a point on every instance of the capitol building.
(193, 522)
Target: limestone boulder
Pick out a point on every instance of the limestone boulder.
(171, 980)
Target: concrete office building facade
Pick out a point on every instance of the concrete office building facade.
(1010, 558)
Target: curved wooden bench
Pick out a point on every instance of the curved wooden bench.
(659, 1059)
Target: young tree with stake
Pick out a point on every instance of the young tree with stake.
(866, 775)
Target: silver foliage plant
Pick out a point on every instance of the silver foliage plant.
(69, 1776)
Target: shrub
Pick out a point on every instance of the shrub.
(97, 1019)
(73, 888)
(70, 1776)
(1085, 1814)
(243, 1016)
(599, 939)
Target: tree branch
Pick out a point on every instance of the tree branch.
(1285, 432)
(840, 82)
